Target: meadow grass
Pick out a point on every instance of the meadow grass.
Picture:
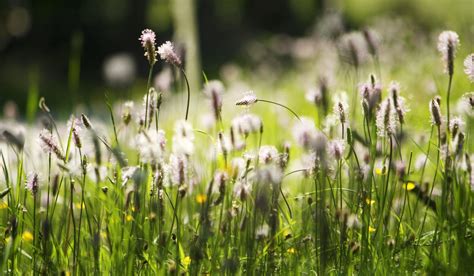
(375, 180)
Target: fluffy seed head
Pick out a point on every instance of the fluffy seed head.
(147, 39)
(214, 90)
(268, 154)
(385, 119)
(248, 99)
(168, 54)
(32, 183)
(435, 111)
(49, 144)
(448, 41)
(151, 145)
(336, 149)
(469, 67)
(247, 123)
(305, 133)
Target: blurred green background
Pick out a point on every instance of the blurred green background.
(70, 51)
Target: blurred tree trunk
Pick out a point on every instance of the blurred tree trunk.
(186, 32)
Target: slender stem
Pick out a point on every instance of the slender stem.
(189, 92)
(447, 98)
(275, 103)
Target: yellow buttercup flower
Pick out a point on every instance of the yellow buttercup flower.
(371, 229)
(201, 198)
(27, 236)
(128, 218)
(409, 186)
(380, 171)
(186, 261)
(291, 250)
(369, 201)
(79, 205)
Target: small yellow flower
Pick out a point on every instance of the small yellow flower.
(381, 171)
(291, 250)
(128, 218)
(371, 229)
(3, 205)
(27, 236)
(201, 198)
(132, 208)
(79, 205)
(409, 186)
(186, 261)
(369, 201)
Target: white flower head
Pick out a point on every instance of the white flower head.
(247, 123)
(305, 133)
(248, 99)
(148, 38)
(336, 149)
(268, 154)
(151, 145)
(448, 41)
(469, 67)
(168, 54)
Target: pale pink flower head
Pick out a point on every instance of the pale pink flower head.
(32, 183)
(147, 39)
(448, 41)
(248, 99)
(469, 67)
(168, 54)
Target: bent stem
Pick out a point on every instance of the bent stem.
(189, 92)
(275, 103)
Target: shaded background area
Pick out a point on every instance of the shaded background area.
(59, 49)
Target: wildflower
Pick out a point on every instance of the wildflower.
(3, 205)
(381, 171)
(248, 99)
(455, 125)
(147, 39)
(336, 148)
(448, 41)
(398, 102)
(75, 126)
(262, 231)
(242, 190)
(305, 133)
(269, 174)
(469, 67)
(128, 218)
(267, 154)
(178, 169)
(201, 198)
(183, 138)
(127, 112)
(214, 90)
(291, 250)
(341, 107)
(371, 229)
(314, 96)
(246, 124)
(27, 236)
(168, 54)
(409, 186)
(372, 41)
(151, 145)
(385, 119)
(352, 49)
(49, 144)
(86, 122)
(186, 261)
(435, 112)
(32, 183)
(369, 201)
